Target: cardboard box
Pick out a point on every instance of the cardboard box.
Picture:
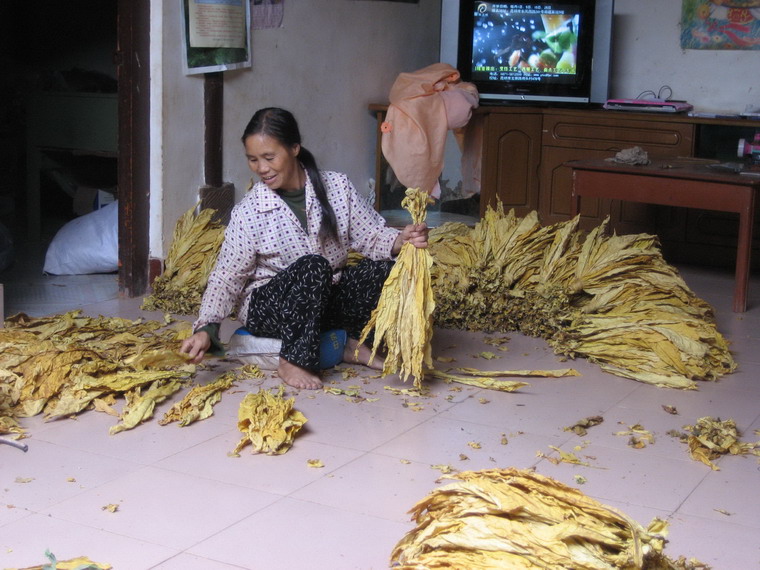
(88, 200)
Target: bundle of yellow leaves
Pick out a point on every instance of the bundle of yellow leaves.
(268, 422)
(192, 256)
(403, 318)
(611, 299)
(511, 518)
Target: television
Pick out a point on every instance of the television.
(550, 52)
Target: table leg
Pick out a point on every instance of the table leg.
(743, 252)
(575, 199)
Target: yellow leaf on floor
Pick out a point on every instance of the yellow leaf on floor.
(268, 422)
(198, 403)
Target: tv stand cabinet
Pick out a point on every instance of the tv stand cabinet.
(525, 156)
(548, 139)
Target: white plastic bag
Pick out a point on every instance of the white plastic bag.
(265, 352)
(88, 244)
(249, 349)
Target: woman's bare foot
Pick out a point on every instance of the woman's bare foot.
(298, 377)
(362, 357)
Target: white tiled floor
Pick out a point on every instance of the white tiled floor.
(185, 504)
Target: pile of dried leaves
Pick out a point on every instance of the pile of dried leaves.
(192, 255)
(61, 365)
(268, 422)
(711, 438)
(403, 318)
(511, 518)
(610, 299)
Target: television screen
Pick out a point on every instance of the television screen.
(531, 51)
(525, 43)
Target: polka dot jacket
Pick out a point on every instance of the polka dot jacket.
(264, 237)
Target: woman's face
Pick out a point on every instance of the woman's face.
(276, 165)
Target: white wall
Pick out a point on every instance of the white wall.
(647, 54)
(333, 57)
(329, 61)
(326, 64)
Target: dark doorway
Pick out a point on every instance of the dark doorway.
(75, 99)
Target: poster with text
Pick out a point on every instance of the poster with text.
(216, 35)
(720, 24)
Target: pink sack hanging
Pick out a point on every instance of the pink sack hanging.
(424, 106)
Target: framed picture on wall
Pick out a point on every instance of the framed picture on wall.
(216, 36)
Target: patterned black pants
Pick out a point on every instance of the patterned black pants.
(301, 302)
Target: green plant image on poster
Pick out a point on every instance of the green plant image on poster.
(720, 24)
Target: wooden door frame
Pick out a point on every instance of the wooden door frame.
(133, 59)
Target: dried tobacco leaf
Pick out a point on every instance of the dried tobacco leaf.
(198, 403)
(269, 422)
(105, 405)
(403, 318)
(561, 373)
(251, 371)
(564, 457)
(710, 438)
(639, 436)
(581, 426)
(512, 518)
(59, 365)
(9, 396)
(443, 468)
(490, 383)
(195, 246)
(610, 299)
(140, 406)
(83, 389)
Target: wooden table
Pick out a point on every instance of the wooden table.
(685, 183)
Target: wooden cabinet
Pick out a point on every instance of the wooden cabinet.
(511, 161)
(525, 152)
(577, 136)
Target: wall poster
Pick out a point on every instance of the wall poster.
(720, 24)
(216, 35)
